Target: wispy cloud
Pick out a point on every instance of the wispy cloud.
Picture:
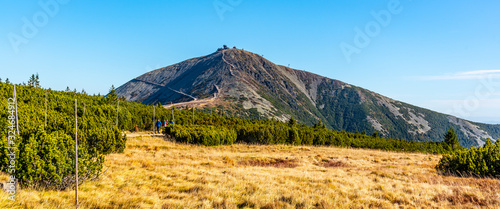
(469, 75)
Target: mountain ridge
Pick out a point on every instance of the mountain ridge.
(255, 86)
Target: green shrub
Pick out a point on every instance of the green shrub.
(475, 161)
(45, 153)
(206, 135)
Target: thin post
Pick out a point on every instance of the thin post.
(84, 105)
(117, 107)
(45, 108)
(173, 118)
(76, 156)
(154, 118)
(15, 103)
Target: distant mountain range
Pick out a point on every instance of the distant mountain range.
(256, 87)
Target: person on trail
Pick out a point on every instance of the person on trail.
(165, 123)
(158, 126)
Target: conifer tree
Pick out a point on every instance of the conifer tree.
(112, 97)
(292, 122)
(451, 139)
(34, 81)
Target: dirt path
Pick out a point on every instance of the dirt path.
(199, 102)
(230, 69)
(144, 134)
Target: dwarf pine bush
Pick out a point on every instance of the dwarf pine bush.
(475, 161)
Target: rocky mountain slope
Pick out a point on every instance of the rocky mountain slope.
(245, 81)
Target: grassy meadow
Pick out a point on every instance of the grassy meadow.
(156, 173)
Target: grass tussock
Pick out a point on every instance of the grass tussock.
(155, 173)
(333, 164)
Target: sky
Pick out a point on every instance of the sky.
(440, 55)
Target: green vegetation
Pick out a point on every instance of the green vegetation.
(266, 131)
(475, 161)
(451, 139)
(45, 153)
(206, 135)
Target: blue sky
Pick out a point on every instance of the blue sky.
(441, 55)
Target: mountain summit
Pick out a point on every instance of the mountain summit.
(255, 87)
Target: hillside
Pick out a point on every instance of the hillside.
(154, 173)
(251, 86)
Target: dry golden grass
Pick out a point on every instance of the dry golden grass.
(154, 173)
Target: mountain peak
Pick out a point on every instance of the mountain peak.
(248, 85)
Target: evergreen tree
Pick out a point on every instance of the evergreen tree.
(37, 81)
(488, 143)
(34, 81)
(292, 121)
(451, 139)
(375, 135)
(319, 125)
(112, 97)
(293, 136)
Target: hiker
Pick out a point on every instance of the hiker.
(165, 123)
(158, 125)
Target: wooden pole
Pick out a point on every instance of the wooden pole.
(154, 119)
(15, 103)
(76, 156)
(45, 108)
(173, 118)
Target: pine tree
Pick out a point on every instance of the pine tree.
(112, 97)
(37, 81)
(451, 139)
(319, 125)
(292, 122)
(293, 136)
(34, 81)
